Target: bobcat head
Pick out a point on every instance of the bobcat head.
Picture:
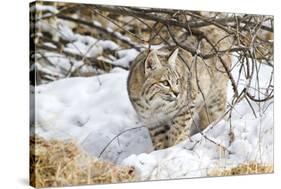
(158, 84)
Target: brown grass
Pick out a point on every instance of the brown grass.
(243, 169)
(63, 163)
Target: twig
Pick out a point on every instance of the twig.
(101, 29)
(107, 145)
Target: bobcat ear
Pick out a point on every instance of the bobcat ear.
(152, 62)
(173, 57)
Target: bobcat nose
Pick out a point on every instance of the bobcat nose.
(176, 93)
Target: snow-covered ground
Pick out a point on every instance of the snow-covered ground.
(92, 111)
(95, 110)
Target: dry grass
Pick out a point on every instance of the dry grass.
(63, 163)
(243, 169)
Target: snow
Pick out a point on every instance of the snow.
(59, 66)
(48, 44)
(94, 110)
(110, 30)
(97, 23)
(120, 36)
(49, 27)
(39, 7)
(126, 56)
(82, 45)
(85, 46)
(56, 64)
(107, 44)
(65, 32)
(197, 156)
(47, 71)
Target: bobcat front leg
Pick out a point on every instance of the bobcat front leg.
(180, 128)
(159, 136)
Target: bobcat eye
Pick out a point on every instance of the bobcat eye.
(165, 83)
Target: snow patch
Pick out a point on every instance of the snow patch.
(126, 56)
(97, 113)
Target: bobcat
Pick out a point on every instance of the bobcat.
(168, 88)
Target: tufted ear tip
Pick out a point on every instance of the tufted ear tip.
(152, 61)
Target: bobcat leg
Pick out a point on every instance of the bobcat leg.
(159, 137)
(180, 128)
